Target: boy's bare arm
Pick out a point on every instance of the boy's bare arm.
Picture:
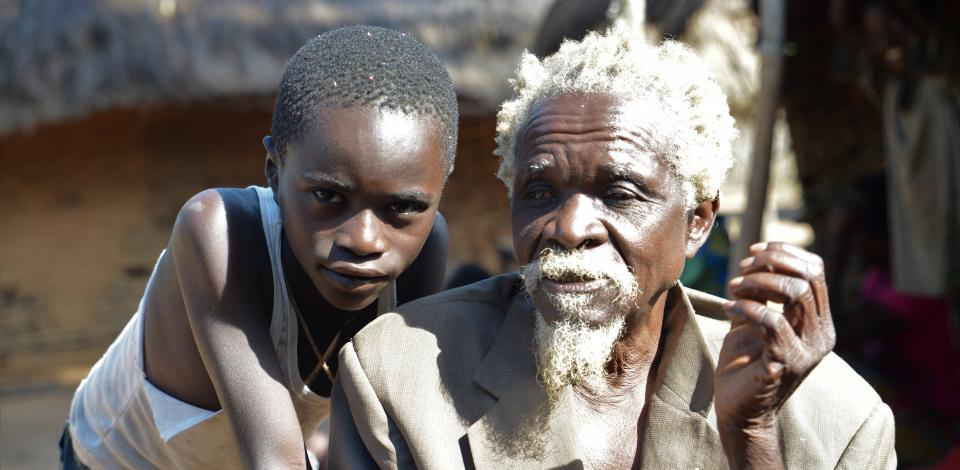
(232, 335)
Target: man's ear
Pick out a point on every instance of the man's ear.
(271, 167)
(700, 223)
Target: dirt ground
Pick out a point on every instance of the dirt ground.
(30, 424)
(35, 394)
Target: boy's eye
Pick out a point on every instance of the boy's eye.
(406, 207)
(327, 196)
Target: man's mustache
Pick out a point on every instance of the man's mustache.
(576, 265)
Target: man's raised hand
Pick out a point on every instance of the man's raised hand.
(767, 353)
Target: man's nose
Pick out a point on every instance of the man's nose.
(576, 224)
(362, 234)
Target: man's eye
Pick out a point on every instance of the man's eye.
(539, 193)
(327, 196)
(620, 196)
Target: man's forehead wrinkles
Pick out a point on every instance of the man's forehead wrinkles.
(618, 169)
(639, 120)
(558, 142)
(569, 123)
(638, 137)
(562, 138)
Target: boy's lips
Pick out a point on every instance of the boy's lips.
(353, 270)
(354, 279)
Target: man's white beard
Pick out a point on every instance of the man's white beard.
(572, 351)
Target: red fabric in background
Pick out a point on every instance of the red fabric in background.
(923, 344)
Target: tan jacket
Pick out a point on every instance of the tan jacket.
(449, 382)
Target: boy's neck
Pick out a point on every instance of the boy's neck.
(325, 323)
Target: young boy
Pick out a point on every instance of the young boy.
(233, 350)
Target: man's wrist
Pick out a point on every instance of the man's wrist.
(752, 446)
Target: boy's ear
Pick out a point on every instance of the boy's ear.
(700, 223)
(271, 167)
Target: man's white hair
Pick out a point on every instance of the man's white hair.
(683, 108)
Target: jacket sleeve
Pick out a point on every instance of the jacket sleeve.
(872, 445)
(359, 427)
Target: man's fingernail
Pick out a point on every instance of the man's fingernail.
(746, 262)
(735, 282)
(758, 246)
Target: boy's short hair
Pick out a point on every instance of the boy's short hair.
(365, 66)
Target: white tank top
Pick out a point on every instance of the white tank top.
(118, 419)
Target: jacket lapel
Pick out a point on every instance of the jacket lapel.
(681, 423)
(515, 433)
(511, 358)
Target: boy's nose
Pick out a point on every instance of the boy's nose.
(362, 234)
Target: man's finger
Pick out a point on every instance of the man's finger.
(782, 258)
(796, 294)
(813, 264)
(783, 246)
(771, 287)
(744, 340)
(778, 262)
(771, 323)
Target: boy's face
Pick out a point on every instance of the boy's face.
(359, 193)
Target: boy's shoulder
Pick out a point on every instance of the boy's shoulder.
(228, 216)
(219, 229)
(217, 205)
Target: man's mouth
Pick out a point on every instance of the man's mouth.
(573, 283)
(571, 276)
(576, 279)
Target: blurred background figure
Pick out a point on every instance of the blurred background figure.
(105, 102)
(900, 341)
(904, 222)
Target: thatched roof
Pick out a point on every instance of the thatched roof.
(65, 58)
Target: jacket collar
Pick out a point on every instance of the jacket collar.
(680, 431)
(511, 357)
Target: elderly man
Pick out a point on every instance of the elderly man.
(594, 356)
